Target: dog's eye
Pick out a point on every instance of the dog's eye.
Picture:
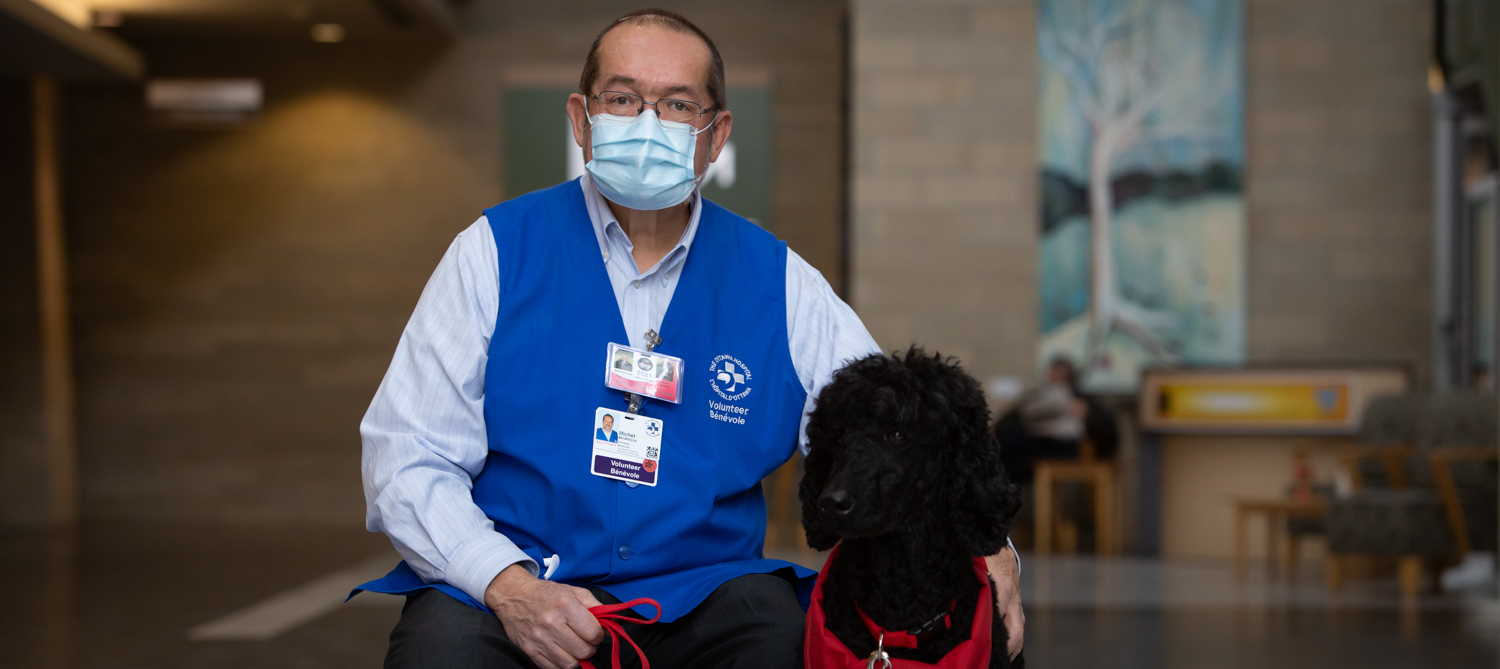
(895, 437)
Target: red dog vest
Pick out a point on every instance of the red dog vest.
(823, 650)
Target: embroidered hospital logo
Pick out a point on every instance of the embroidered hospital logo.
(729, 377)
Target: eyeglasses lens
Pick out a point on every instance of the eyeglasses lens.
(630, 104)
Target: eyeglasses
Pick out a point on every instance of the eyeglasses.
(616, 103)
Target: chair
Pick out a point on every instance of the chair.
(1097, 474)
(1466, 482)
(1424, 478)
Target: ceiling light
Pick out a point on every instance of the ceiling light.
(205, 100)
(328, 33)
(72, 11)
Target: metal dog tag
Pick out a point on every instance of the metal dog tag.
(879, 655)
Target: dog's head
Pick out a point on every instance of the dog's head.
(901, 443)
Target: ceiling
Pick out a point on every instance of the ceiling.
(35, 41)
(362, 19)
(60, 37)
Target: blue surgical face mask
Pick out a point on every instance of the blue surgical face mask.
(643, 162)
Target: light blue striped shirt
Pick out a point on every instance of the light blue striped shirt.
(424, 434)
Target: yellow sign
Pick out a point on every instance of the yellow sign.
(1262, 401)
(1250, 402)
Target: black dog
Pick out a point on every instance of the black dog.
(904, 470)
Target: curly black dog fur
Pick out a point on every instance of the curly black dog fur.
(903, 469)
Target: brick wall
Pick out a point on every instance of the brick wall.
(1339, 181)
(944, 221)
(238, 293)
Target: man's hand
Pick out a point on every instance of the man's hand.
(1008, 597)
(550, 621)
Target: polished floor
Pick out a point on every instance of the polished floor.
(166, 596)
(1132, 612)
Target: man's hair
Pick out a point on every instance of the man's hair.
(664, 19)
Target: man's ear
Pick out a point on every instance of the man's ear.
(719, 134)
(578, 116)
(816, 468)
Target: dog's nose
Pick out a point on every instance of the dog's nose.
(836, 501)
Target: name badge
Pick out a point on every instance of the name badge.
(644, 373)
(627, 447)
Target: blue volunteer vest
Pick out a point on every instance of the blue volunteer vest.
(705, 521)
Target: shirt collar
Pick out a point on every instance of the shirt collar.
(604, 220)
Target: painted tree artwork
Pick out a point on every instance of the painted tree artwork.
(1142, 250)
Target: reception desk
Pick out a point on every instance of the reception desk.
(1225, 435)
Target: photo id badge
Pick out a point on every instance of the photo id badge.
(627, 447)
(644, 373)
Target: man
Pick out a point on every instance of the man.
(479, 472)
(606, 431)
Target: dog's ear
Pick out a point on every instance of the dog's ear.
(983, 500)
(816, 467)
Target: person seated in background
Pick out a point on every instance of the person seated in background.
(1050, 422)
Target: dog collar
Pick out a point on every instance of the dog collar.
(912, 637)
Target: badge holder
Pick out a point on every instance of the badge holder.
(644, 373)
(630, 450)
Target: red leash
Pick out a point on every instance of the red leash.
(607, 618)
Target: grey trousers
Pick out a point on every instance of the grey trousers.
(751, 621)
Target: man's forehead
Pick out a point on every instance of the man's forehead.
(654, 57)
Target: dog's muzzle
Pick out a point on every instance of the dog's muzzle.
(835, 502)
